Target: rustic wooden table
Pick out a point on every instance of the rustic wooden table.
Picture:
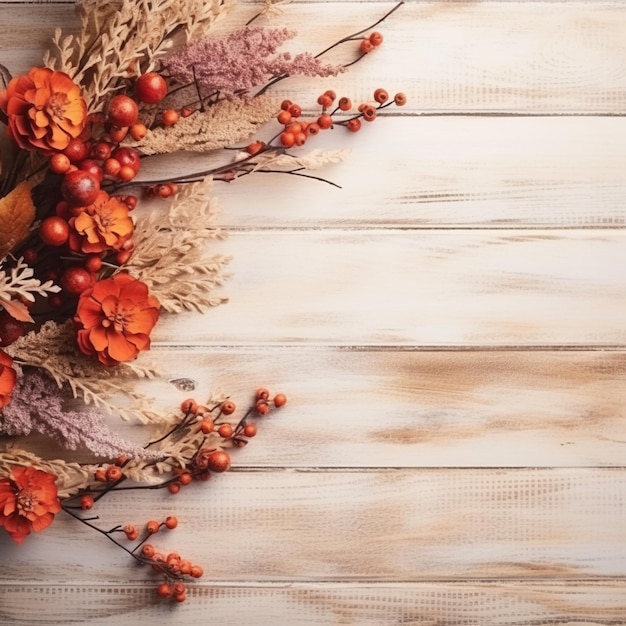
(450, 328)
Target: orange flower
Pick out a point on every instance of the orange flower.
(103, 225)
(28, 502)
(45, 109)
(115, 318)
(7, 378)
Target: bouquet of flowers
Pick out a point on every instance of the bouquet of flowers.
(87, 267)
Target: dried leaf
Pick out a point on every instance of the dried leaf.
(17, 212)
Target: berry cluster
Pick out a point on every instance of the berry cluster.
(211, 431)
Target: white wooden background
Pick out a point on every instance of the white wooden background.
(450, 329)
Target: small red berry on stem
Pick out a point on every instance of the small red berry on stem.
(280, 399)
(54, 231)
(228, 407)
(150, 88)
(376, 38)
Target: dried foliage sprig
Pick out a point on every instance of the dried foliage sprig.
(118, 41)
(52, 349)
(172, 251)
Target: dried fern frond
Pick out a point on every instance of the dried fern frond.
(222, 124)
(20, 282)
(171, 254)
(53, 349)
(313, 160)
(120, 40)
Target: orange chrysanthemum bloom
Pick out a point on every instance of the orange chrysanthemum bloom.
(45, 109)
(115, 318)
(28, 502)
(7, 378)
(103, 225)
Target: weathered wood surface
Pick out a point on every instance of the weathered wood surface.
(449, 328)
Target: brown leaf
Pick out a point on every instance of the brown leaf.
(16, 309)
(17, 212)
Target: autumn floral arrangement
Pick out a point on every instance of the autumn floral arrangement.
(85, 273)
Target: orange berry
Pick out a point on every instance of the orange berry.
(331, 94)
(280, 399)
(207, 425)
(189, 406)
(225, 430)
(399, 99)
(180, 597)
(284, 117)
(300, 139)
(186, 111)
(312, 129)
(131, 531)
(185, 568)
(354, 125)
(196, 571)
(287, 139)
(117, 134)
(294, 128)
(325, 121)
(185, 478)
(86, 502)
(366, 46)
(138, 131)
(262, 407)
(54, 231)
(148, 550)
(171, 521)
(250, 430)
(295, 110)
(376, 38)
(169, 117)
(325, 100)
(126, 173)
(345, 104)
(228, 407)
(219, 461)
(152, 527)
(164, 590)
(100, 475)
(59, 163)
(262, 393)
(369, 113)
(111, 167)
(381, 95)
(285, 104)
(178, 588)
(173, 488)
(113, 473)
(255, 147)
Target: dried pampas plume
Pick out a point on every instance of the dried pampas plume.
(222, 124)
(119, 40)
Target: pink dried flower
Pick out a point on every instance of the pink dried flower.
(242, 60)
(37, 405)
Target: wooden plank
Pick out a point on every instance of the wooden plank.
(388, 408)
(536, 57)
(443, 172)
(356, 526)
(431, 288)
(306, 604)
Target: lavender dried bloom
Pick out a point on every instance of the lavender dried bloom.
(37, 405)
(244, 59)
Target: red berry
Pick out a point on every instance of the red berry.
(93, 263)
(117, 133)
(354, 125)
(10, 329)
(127, 156)
(376, 38)
(93, 167)
(54, 231)
(150, 88)
(381, 95)
(219, 461)
(75, 280)
(86, 502)
(228, 407)
(76, 150)
(122, 110)
(366, 46)
(80, 188)
(101, 151)
(111, 167)
(138, 131)
(325, 121)
(280, 399)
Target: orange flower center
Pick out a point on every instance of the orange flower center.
(26, 501)
(57, 104)
(117, 320)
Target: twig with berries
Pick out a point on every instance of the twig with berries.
(202, 433)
